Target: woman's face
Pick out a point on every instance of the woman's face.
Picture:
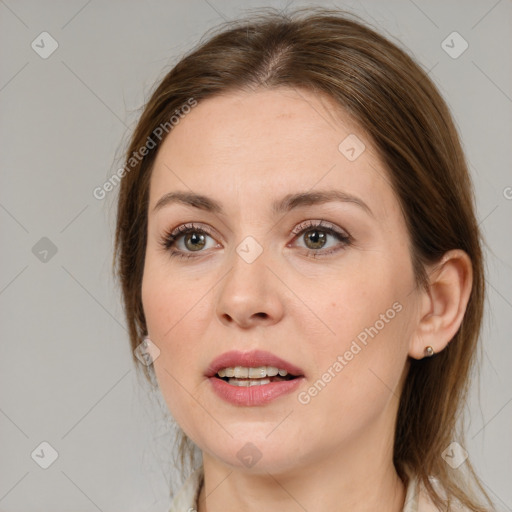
(297, 247)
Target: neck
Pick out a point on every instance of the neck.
(352, 480)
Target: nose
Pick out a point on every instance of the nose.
(250, 294)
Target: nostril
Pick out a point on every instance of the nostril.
(228, 318)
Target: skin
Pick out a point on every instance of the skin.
(245, 150)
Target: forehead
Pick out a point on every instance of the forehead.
(269, 143)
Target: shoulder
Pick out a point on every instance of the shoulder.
(186, 498)
(426, 505)
(418, 500)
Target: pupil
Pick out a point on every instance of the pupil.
(194, 241)
(317, 238)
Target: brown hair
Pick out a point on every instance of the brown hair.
(394, 101)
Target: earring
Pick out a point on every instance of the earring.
(429, 351)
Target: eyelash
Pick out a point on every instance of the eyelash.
(170, 238)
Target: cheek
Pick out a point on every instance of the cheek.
(168, 298)
(351, 300)
(170, 308)
(357, 377)
(173, 312)
(366, 314)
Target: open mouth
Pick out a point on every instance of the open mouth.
(246, 377)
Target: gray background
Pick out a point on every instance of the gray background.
(66, 376)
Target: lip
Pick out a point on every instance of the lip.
(251, 359)
(252, 395)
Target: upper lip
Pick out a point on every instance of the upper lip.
(251, 359)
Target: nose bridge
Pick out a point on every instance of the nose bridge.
(249, 292)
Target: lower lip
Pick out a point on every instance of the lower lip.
(253, 395)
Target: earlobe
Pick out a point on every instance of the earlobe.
(443, 304)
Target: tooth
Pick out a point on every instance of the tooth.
(241, 372)
(259, 382)
(240, 383)
(247, 383)
(257, 373)
(272, 371)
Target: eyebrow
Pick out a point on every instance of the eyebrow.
(286, 204)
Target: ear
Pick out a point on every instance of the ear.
(443, 304)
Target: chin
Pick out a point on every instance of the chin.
(256, 453)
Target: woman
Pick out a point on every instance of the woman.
(300, 259)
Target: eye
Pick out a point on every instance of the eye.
(187, 239)
(319, 234)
